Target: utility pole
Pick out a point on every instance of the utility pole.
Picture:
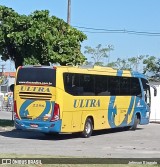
(69, 12)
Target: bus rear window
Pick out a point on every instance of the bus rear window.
(36, 76)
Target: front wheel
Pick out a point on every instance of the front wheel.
(136, 121)
(88, 128)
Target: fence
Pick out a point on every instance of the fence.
(6, 105)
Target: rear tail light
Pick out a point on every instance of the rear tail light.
(15, 110)
(56, 112)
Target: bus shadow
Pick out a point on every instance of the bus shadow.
(114, 130)
(64, 136)
(36, 135)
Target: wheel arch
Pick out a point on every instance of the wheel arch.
(138, 114)
(92, 119)
(84, 120)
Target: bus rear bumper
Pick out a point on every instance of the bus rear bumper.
(45, 127)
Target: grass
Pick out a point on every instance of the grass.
(5, 123)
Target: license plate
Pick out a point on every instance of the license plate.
(34, 125)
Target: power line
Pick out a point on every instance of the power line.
(103, 31)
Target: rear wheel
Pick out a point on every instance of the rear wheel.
(88, 128)
(136, 122)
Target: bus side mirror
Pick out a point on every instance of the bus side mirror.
(155, 92)
(155, 89)
(12, 88)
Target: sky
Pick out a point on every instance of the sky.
(111, 17)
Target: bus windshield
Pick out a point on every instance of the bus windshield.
(36, 76)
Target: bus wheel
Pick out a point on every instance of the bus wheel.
(136, 121)
(88, 128)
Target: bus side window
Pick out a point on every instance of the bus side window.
(135, 87)
(78, 88)
(146, 91)
(101, 85)
(72, 84)
(124, 86)
(88, 83)
(67, 82)
(114, 86)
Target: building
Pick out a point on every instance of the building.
(10, 76)
(6, 79)
(155, 103)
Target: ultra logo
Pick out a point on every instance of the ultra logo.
(81, 103)
(35, 89)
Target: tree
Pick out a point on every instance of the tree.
(136, 61)
(121, 64)
(152, 67)
(98, 54)
(38, 37)
(128, 64)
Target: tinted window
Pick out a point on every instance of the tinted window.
(38, 76)
(71, 84)
(88, 84)
(125, 86)
(101, 85)
(146, 90)
(79, 84)
(135, 87)
(114, 85)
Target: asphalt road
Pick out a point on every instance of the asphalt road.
(142, 143)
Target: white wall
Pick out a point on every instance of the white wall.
(11, 81)
(155, 105)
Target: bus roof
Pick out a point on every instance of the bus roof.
(91, 70)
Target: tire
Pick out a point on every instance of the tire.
(88, 128)
(136, 121)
